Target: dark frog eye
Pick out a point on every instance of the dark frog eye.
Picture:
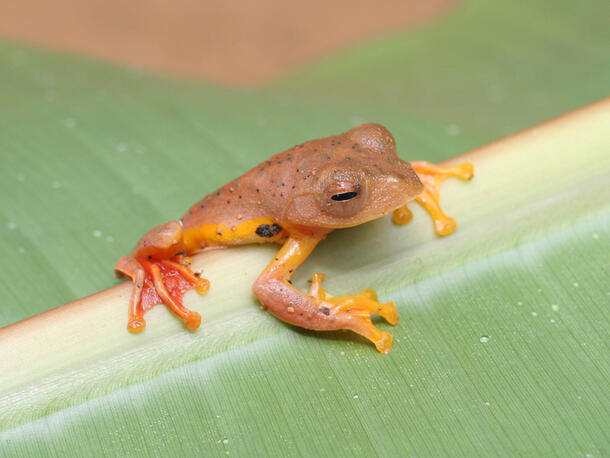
(343, 195)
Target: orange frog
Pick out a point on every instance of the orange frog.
(295, 198)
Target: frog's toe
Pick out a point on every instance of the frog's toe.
(389, 313)
(136, 324)
(192, 320)
(370, 293)
(360, 322)
(444, 225)
(465, 171)
(384, 343)
(402, 215)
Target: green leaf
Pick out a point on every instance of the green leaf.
(502, 345)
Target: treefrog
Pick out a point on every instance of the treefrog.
(295, 198)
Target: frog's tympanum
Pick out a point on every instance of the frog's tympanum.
(295, 199)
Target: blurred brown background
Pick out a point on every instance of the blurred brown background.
(242, 43)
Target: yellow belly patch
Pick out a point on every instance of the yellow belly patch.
(242, 233)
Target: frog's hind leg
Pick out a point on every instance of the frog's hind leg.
(432, 176)
(159, 277)
(319, 310)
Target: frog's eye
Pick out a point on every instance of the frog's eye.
(343, 196)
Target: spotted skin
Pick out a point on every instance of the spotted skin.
(295, 198)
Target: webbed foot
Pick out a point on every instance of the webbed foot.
(364, 303)
(357, 308)
(432, 176)
(160, 281)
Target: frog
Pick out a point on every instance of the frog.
(295, 199)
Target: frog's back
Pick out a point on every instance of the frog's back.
(266, 190)
(283, 189)
(251, 208)
(258, 193)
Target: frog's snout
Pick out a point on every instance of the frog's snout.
(404, 176)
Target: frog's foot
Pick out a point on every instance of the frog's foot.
(364, 303)
(160, 281)
(432, 176)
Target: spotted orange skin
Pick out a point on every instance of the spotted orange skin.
(295, 198)
(286, 187)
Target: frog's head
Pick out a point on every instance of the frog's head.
(364, 180)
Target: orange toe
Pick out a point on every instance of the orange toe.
(192, 321)
(384, 344)
(136, 325)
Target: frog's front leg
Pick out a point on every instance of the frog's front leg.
(432, 176)
(319, 310)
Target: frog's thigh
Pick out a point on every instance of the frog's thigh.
(319, 312)
(160, 239)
